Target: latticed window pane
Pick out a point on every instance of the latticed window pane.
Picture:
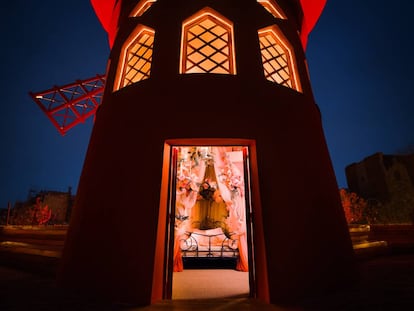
(207, 45)
(139, 57)
(135, 58)
(277, 60)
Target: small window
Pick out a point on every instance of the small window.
(278, 58)
(141, 8)
(135, 58)
(273, 8)
(207, 44)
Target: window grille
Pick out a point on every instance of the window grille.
(207, 44)
(136, 58)
(278, 59)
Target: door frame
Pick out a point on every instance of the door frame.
(162, 273)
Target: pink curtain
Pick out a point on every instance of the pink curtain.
(231, 185)
(189, 175)
(177, 258)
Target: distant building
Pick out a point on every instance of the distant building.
(380, 177)
(59, 202)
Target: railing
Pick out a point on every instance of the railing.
(191, 247)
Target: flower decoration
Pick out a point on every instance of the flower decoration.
(207, 190)
(232, 180)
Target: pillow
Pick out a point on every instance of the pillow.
(216, 236)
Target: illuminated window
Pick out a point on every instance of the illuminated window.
(207, 44)
(273, 8)
(135, 58)
(141, 8)
(278, 59)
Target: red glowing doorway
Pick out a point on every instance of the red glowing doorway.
(163, 265)
(209, 223)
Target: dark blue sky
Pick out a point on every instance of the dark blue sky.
(359, 56)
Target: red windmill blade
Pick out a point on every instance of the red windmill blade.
(71, 104)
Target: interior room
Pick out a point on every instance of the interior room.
(211, 255)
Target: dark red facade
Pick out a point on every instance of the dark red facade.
(116, 240)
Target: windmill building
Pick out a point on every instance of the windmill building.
(200, 96)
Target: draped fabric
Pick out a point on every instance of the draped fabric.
(210, 210)
(187, 187)
(189, 176)
(226, 208)
(177, 258)
(230, 181)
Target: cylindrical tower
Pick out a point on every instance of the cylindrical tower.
(209, 71)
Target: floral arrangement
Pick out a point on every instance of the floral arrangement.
(207, 190)
(230, 177)
(233, 182)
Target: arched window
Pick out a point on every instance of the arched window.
(273, 8)
(207, 44)
(141, 8)
(278, 59)
(135, 57)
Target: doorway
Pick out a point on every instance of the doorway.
(209, 228)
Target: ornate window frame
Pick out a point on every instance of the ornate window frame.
(273, 8)
(142, 58)
(207, 44)
(141, 8)
(278, 58)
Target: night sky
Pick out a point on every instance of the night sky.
(359, 56)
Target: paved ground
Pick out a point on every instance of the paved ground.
(209, 284)
(387, 284)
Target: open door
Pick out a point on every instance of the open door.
(209, 224)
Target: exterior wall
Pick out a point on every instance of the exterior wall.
(112, 238)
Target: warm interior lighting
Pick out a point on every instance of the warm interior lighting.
(273, 8)
(135, 57)
(278, 59)
(210, 204)
(141, 8)
(207, 44)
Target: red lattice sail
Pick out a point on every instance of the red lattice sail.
(71, 104)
